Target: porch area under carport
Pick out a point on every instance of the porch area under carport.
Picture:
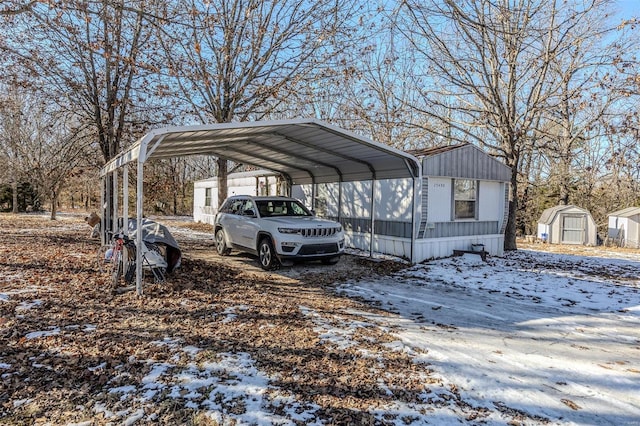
(303, 151)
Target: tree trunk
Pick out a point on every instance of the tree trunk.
(175, 199)
(54, 205)
(564, 179)
(510, 231)
(14, 188)
(223, 172)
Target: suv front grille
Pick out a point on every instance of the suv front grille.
(319, 232)
(309, 249)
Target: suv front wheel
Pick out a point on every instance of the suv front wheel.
(266, 254)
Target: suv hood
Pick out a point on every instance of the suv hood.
(302, 221)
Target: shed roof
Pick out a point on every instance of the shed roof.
(549, 214)
(304, 150)
(628, 212)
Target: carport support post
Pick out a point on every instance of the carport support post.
(103, 222)
(125, 199)
(373, 216)
(114, 218)
(414, 231)
(139, 199)
(106, 205)
(340, 201)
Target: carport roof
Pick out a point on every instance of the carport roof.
(306, 151)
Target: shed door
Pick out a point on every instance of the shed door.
(573, 229)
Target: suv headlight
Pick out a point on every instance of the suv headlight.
(288, 231)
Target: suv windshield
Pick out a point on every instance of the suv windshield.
(269, 208)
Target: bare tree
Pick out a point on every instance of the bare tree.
(376, 96)
(11, 136)
(243, 60)
(488, 65)
(10, 7)
(47, 146)
(95, 58)
(589, 95)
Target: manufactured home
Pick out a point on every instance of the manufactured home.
(567, 225)
(460, 202)
(624, 227)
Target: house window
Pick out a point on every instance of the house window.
(207, 197)
(464, 199)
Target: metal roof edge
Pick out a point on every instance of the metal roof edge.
(131, 154)
(134, 152)
(232, 125)
(626, 212)
(417, 167)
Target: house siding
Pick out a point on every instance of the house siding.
(461, 229)
(466, 162)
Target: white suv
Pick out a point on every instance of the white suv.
(277, 230)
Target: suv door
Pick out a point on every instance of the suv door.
(247, 225)
(231, 220)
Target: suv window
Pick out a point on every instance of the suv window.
(268, 208)
(248, 205)
(233, 206)
(299, 210)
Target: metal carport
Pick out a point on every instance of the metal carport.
(304, 151)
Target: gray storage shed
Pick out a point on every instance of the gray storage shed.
(567, 225)
(624, 227)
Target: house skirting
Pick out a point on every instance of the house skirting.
(427, 248)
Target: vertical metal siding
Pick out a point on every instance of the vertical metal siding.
(466, 162)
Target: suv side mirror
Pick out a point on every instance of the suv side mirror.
(249, 212)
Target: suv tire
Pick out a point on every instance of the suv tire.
(267, 255)
(221, 246)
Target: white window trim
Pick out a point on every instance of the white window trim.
(476, 183)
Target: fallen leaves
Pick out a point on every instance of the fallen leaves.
(81, 340)
(83, 354)
(570, 404)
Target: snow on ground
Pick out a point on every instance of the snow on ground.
(553, 336)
